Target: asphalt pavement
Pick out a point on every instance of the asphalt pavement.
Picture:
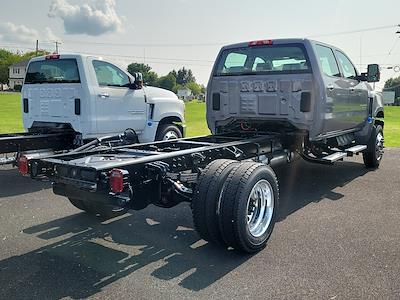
(338, 237)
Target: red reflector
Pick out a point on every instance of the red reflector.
(117, 180)
(260, 43)
(23, 165)
(52, 56)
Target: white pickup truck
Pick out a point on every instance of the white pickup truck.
(94, 98)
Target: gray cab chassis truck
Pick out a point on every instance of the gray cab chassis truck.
(266, 101)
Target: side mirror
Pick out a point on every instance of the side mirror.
(138, 84)
(373, 73)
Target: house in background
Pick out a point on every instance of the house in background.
(184, 93)
(17, 73)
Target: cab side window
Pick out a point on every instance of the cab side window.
(109, 75)
(347, 67)
(327, 61)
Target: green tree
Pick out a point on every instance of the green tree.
(194, 87)
(149, 77)
(393, 84)
(8, 58)
(184, 76)
(167, 82)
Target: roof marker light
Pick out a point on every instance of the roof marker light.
(260, 43)
(52, 56)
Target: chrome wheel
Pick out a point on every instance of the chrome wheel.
(379, 145)
(170, 135)
(260, 208)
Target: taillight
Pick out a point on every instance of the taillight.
(260, 43)
(117, 180)
(23, 165)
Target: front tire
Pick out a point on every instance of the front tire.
(168, 132)
(373, 155)
(249, 207)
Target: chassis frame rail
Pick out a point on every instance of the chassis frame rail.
(17, 142)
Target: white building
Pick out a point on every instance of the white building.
(184, 93)
(17, 73)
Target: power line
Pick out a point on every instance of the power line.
(354, 31)
(391, 49)
(150, 58)
(146, 45)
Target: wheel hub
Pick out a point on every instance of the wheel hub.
(260, 206)
(170, 135)
(379, 145)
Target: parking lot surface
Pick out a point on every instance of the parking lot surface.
(338, 237)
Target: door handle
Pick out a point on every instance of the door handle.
(351, 90)
(104, 95)
(330, 87)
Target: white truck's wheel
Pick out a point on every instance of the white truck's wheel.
(168, 132)
(249, 207)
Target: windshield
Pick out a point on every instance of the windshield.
(53, 71)
(271, 59)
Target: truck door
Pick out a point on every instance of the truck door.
(356, 110)
(117, 106)
(336, 90)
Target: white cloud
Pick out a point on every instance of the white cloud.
(14, 33)
(94, 18)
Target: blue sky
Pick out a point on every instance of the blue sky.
(175, 33)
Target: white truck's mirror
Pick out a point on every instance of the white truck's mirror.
(138, 84)
(373, 73)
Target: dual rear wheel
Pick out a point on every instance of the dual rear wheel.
(235, 204)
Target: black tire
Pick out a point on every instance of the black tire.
(165, 129)
(206, 199)
(97, 209)
(234, 210)
(373, 155)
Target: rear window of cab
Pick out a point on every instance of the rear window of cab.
(269, 59)
(53, 71)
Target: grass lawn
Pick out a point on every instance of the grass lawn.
(10, 113)
(196, 119)
(10, 119)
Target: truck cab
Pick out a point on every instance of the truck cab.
(95, 98)
(290, 85)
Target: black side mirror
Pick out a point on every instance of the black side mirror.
(138, 83)
(373, 73)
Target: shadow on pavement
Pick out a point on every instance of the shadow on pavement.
(90, 255)
(12, 183)
(301, 183)
(85, 255)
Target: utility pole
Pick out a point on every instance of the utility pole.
(57, 43)
(360, 51)
(37, 47)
